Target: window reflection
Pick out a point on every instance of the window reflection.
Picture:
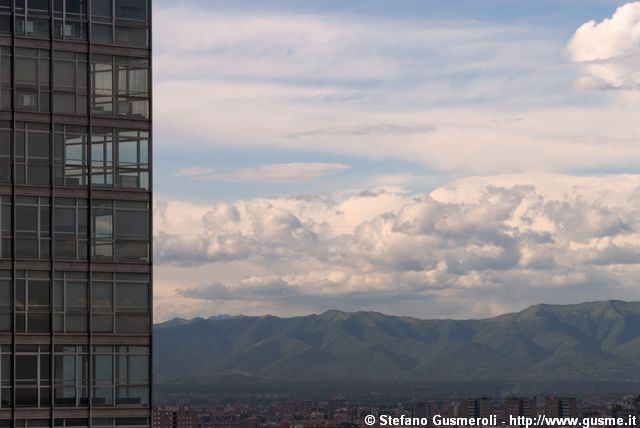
(120, 86)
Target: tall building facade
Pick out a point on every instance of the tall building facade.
(478, 408)
(561, 407)
(175, 418)
(75, 213)
(519, 406)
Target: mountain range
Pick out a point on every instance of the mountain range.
(596, 341)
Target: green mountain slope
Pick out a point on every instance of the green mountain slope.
(596, 341)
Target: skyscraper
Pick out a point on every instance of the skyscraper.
(75, 213)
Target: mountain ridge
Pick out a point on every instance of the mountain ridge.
(596, 340)
(341, 312)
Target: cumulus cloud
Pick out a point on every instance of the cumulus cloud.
(609, 51)
(502, 239)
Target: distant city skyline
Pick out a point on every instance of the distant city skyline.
(431, 159)
(342, 413)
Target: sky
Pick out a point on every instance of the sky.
(436, 159)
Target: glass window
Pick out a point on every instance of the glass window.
(38, 146)
(103, 379)
(131, 36)
(103, 369)
(103, 224)
(64, 74)
(71, 377)
(27, 219)
(71, 422)
(33, 385)
(102, 323)
(33, 154)
(38, 5)
(102, 9)
(131, 251)
(6, 232)
(76, 7)
(133, 87)
(74, 151)
(127, 151)
(70, 82)
(6, 376)
(65, 220)
(6, 142)
(70, 19)
(129, 25)
(102, 296)
(131, 240)
(38, 295)
(27, 369)
(70, 156)
(32, 79)
(76, 295)
(132, 324)
(120, 422)
(6, 82)
(131, 9)
(5, 67)
(102, 80)
(101, 33)
(5, 24)
(26, 100)
(120, 82)
(71, 302)
(6, 286)
(131, 224)
(26, 70)
(32, 301)
(123, 371)
(132, 296)
(64, 103)
(70, 228)
(32, 423)
(130, 150)
(123, 299)
(33, 232)
(102, 157)
(33, 27)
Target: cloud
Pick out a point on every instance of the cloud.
(384, 129)
(463, 139)
(306, 46)
(278, 173)
(195, 171)
(252, 288)
(271, 173)
(502, 241)
(609, 51)
(455, 96)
